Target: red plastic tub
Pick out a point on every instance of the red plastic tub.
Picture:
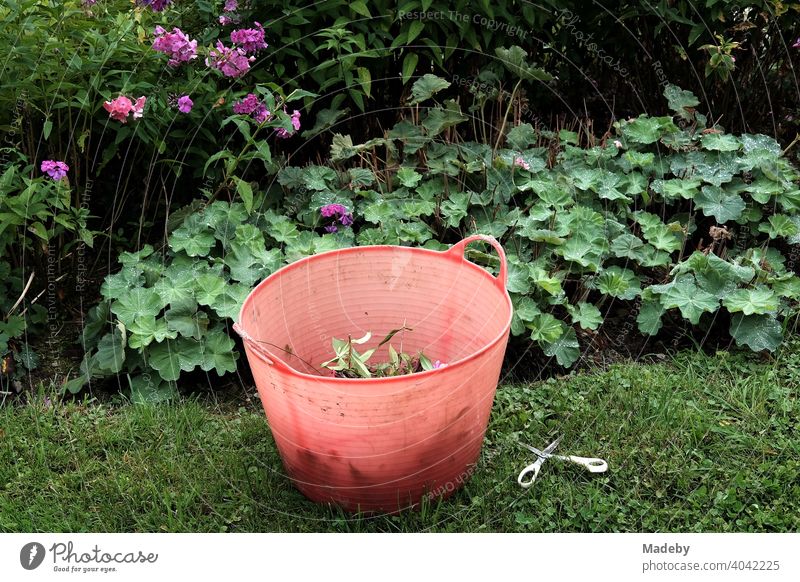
(378, 444)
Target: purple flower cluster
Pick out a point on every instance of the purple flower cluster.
(282, 133)
(56, 170)
(231, 61)
(337, 212)
(156, 5)
(176, 44)
(251, 40)
(252, 106)
(185, 104)
(230, 16)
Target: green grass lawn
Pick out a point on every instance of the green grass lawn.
(702, 443)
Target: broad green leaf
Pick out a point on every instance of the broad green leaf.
(758, 300)
(136, 303)
(618, 282)
(147, 390)
(586, 315)
(565, 349)
(541, 278)
(440, 118)
(111, 352)
(780, 225)
(454, 209)
(626, 246)
(518, 278)
(720, 142)
(677, 188)
(758, 332)
(187, 321)
(515, 60)
(230, 302)
(521, 136)
(680, 101)
(692, 301)
(208, 287)
(408, 177)
(545, 328)
(525, 310)
(217, 352)
(649, 317)
(647, 130)
(714, 201)
(170, 357)
(146, 329)
(176, 285)
(426, 87)
(193, 241)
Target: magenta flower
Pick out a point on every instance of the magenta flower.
(251, 40)
(796, 43)
(55, 169)
(121, 107)
(282, 133)
(520, 163)
(156, 5)
(231, 62)
(251, 105)
(336, 212)
(176, 44)
(185, 104)
(231, 5)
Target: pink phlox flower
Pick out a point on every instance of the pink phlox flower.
(520, 163)
(119, 108)
(337, 212)
(251, 40)
(185, 104)
(251, 105)
(231, 5)
(282, 133)
(330, 210)
(156, 5)
(55, 169)
(138, 107)
(232, 62)
(176, 44)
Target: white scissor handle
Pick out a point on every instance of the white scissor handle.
(532, 468)
(592, 464)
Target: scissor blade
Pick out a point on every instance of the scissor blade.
(552, 446)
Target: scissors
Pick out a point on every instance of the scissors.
(591, 464)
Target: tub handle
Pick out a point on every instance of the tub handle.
(254, 345)
(459, 248)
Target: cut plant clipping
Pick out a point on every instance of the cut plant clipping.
(349, 363)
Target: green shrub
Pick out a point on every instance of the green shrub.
(669, 219)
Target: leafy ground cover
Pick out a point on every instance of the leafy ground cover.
(701, 443)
